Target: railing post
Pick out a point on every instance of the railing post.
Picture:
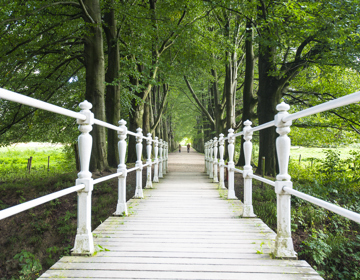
(284, 247)
(160, 159)
(221, 162)
(206, 158)
(248, 210)
(84, 243)
(139, 138)
(215, 162)
(164, 158)
(148, 161)
(167, 155)
(231, 165)
(156, 161)
(121, 208)
(211, 159)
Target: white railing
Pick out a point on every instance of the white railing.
(84, 184)
(283, 186)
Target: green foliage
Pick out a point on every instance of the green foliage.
(14, 160)
(30, 266)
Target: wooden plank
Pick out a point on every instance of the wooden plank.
(182, 229)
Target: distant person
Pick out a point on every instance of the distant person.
(179, 148)
(188, 147)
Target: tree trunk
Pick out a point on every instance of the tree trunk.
(95, 78)
(112, 99)
(269, 95)
(249, 101)
(135, 121)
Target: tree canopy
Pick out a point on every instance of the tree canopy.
(179, 69)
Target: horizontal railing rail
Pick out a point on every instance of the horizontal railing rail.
(84, 184)
(282, 184)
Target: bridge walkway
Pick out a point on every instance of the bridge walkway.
(182, 229)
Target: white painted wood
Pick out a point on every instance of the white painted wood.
(248, 211)
(160, 159)
(221, 162)
(38, 201)
(23, 99)
(148, 161)
(156, 160)
(284, 247)
(215, 162)
(139, 138)
(182, 230)
(211, 159)
(231, 141)
(84, 244)
(121, 207)
(164, 158)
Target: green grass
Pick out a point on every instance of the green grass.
(14, 160)
(309, 153)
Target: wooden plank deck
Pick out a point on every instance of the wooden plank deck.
(183, 229)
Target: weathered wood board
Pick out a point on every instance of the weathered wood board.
(182, 229)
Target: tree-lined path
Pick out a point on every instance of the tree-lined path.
(183, 229)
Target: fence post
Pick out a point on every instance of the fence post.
(221, 162)
(160, 158)
(206, 158)
(84, 243)
(164, 158)
(248, 211)
(156, 161)
(284, 247)
(211, 159)
(121, 208)
(167, 155)
(215, 162)
(148, 161)
(139, 146)
(231, 165)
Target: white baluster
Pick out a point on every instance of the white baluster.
(121, 208)
(148, 161)
(206, 157)
(139, 191)
(167, 156)
(215, 162)
(164, 158)
(248, 210)
(161, 159)
(284, 247)
(84, 243)
(231, 165)
(211, 159)
(221, 162)
(156, 161)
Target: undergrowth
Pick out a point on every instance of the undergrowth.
(328, 242)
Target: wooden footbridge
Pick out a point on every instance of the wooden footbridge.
(186, 226)
(182, 229)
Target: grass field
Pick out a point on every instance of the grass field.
(14, 159)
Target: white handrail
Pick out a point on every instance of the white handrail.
(339, 102)
(132, 133)
(105, 178)
(262, 126)
(262, 179)
(237, 170)
(38, 201)
(23, 99)
(132, 169)
(329, 206)
(238, 134)
(108, 125)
